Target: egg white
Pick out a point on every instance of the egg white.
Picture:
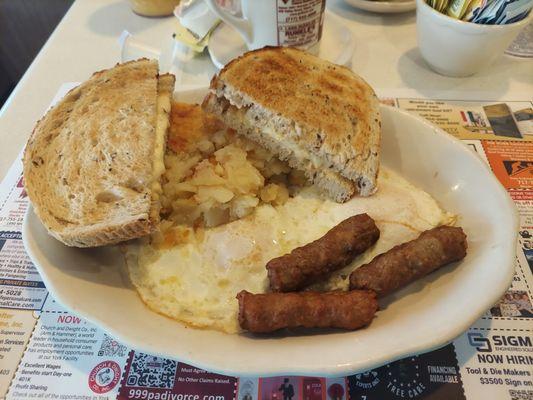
(196, 282)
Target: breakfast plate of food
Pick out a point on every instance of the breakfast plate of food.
(281, 221)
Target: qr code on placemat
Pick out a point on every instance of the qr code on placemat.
(521, 394)
(151, 372)
(110, 347)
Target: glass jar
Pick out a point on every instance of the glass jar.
(153, 8)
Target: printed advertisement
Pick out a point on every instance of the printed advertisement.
(511, 120)
(13, 203)
(511, 162)
(496, 363)
(150, 377)
(432, 376)
(67, 355)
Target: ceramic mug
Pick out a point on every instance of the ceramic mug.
(457, 48)
(276, 22)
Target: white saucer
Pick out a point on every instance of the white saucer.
(337, 44)
(385, 7)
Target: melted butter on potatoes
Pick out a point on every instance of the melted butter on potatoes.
(212, 176)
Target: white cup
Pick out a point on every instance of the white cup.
(457, 48)
(277, 22)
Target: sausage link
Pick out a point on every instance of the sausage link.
(409, 261)
(315, 261)
(268, 312)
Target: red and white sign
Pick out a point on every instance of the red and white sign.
(104, 377)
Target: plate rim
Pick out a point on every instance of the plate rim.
(383, 7)
(438, 340)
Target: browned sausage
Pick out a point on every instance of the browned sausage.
(410, 261)
(269, 312)
(316, 260)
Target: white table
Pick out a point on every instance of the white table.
(386, 55)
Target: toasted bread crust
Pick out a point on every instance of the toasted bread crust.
(88, 162)
(165, 89)
(103, 233)
(335, 113)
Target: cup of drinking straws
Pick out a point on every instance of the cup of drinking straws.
(460, 37)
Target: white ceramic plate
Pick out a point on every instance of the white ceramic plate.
(385, 7)
(423, 316)
(337, 43)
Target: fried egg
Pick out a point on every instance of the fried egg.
(196, 281)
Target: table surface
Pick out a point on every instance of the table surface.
(386, 55)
